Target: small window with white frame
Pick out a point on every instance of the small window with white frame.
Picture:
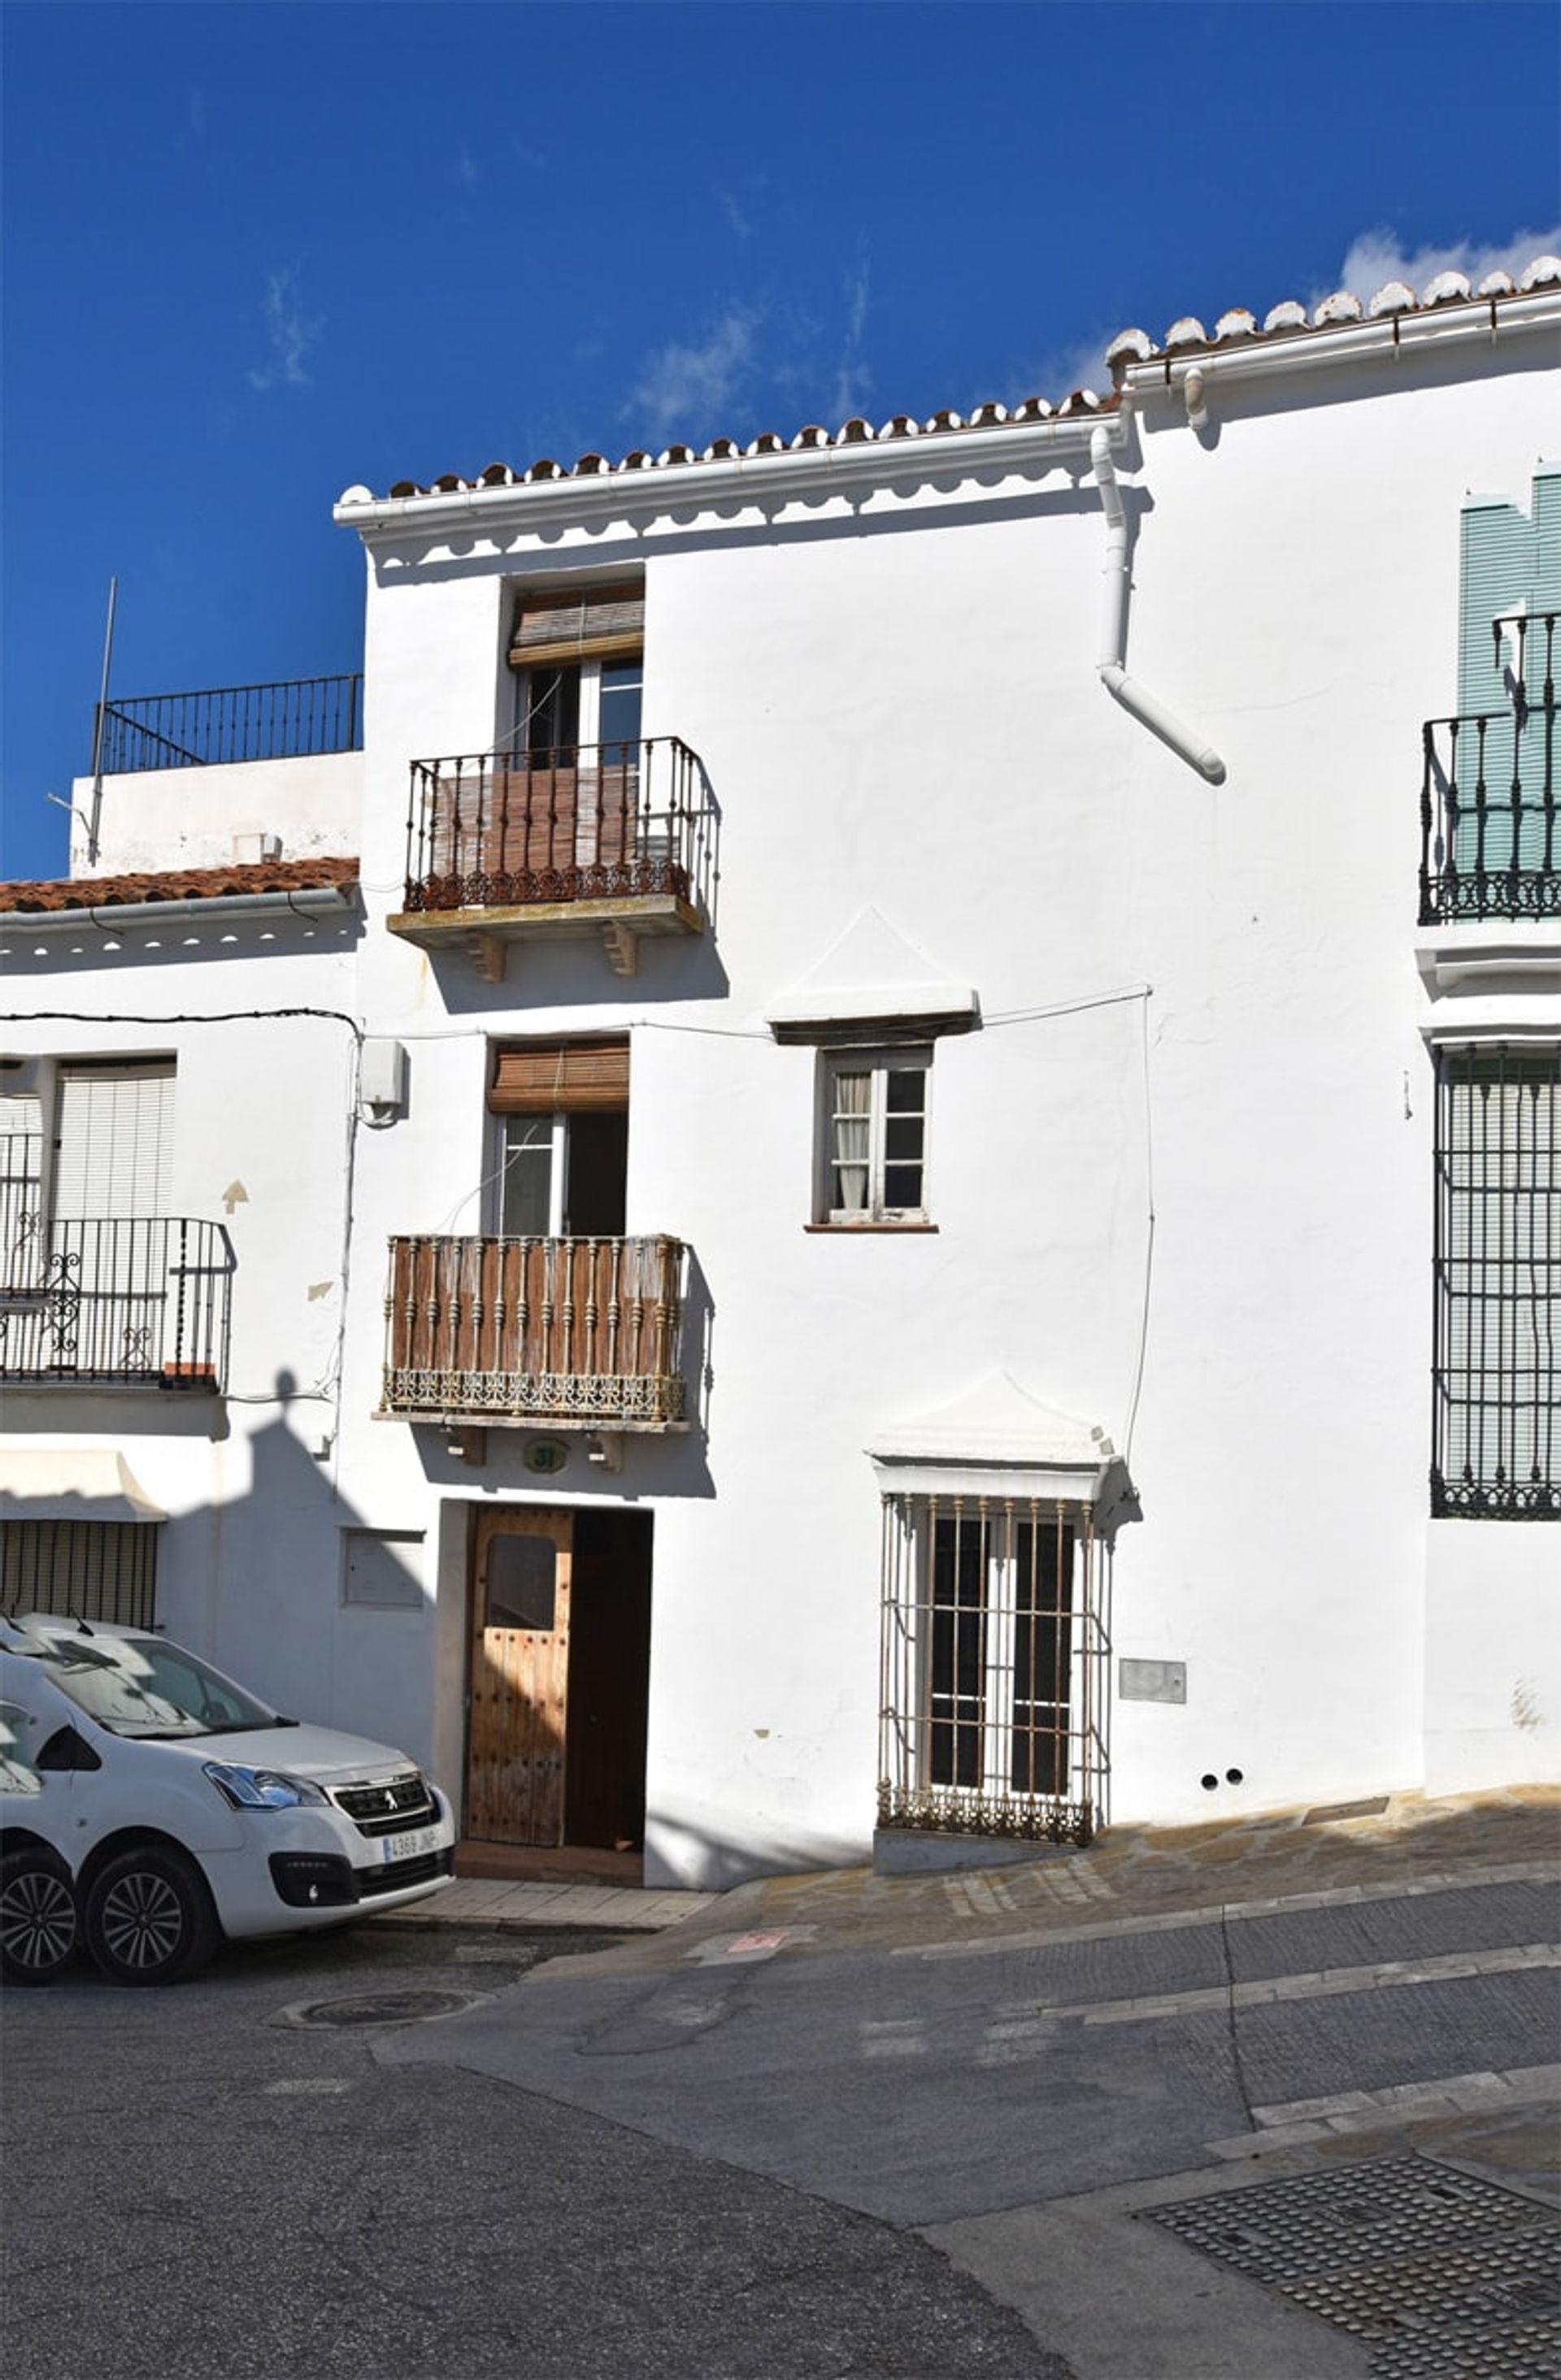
(875, 1106)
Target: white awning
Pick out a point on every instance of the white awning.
(998, 1440)
(872, 981)
(72, 1483)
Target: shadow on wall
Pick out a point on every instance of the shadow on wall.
(576, 974)
(273, 1567)
(58, 951)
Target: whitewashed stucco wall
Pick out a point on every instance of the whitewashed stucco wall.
(896, 702)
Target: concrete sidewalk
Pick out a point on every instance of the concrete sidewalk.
(1131, 1875)
(1105, 2276)
(488, 1904)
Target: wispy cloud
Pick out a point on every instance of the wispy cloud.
(1081, 364)
(289, 330)
(735, 215)
(1379, 256)
(689, 388)
(853, 380)
(465, 167)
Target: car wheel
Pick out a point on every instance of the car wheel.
(38, 1922)
(148, 1917)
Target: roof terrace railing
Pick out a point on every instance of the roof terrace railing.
(292, 718)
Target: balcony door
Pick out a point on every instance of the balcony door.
(560, 1677)
(561, 1153)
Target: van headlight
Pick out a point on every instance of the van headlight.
(262, 1789)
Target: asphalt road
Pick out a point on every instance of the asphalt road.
(708, 2159)
(196, 2189)
(927, 2088)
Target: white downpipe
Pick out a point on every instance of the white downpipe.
(1114, 629)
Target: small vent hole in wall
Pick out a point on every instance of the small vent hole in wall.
(1233, 1776)
(1210, 1783)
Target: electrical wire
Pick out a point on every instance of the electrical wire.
(329, 1389)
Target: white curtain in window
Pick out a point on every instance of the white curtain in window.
(852, 1127)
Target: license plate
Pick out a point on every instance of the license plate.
(406, 1847)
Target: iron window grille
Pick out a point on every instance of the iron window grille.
(992, 1667)
(1495, 1436)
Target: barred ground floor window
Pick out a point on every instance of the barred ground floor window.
(1497, 1364)
(80, 1570)
(993, 1667)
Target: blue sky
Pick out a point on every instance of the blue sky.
(256, 253)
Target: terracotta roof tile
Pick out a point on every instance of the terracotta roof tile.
(809, 438)
(177, 884)
(1342, 306)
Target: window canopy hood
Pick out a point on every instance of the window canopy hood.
(873, 983)
(996, 1439)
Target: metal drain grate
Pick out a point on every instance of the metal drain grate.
(1365, 2214)
(1443, 2276)
(1496, 2278)
(1529, 2349)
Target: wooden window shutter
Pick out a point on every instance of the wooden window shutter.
(560, 1078)
(576, 623)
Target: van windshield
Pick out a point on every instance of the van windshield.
(140, 1686)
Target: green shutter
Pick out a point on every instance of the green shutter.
(1509, 560)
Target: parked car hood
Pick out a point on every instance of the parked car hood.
(317, 1751)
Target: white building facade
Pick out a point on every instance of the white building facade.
(873, 1144)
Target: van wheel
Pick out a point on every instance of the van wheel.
(148, 1917)
(37, 1923)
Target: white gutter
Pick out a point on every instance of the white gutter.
(315, 901)
(1132, 696)
(929, 454)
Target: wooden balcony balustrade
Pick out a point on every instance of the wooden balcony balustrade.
(582, 1331)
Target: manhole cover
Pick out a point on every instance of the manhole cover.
(382, 2008)
(1364, 2214)
(1443, 2275)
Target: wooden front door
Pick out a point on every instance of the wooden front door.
(521, 1580)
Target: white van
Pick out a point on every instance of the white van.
(153, 1803)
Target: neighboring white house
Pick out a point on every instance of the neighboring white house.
(840, 1155)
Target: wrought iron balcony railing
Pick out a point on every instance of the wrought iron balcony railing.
(581, 1331)
(602, 823)
(129, 1302)
(293, 719)
(1489, 839)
